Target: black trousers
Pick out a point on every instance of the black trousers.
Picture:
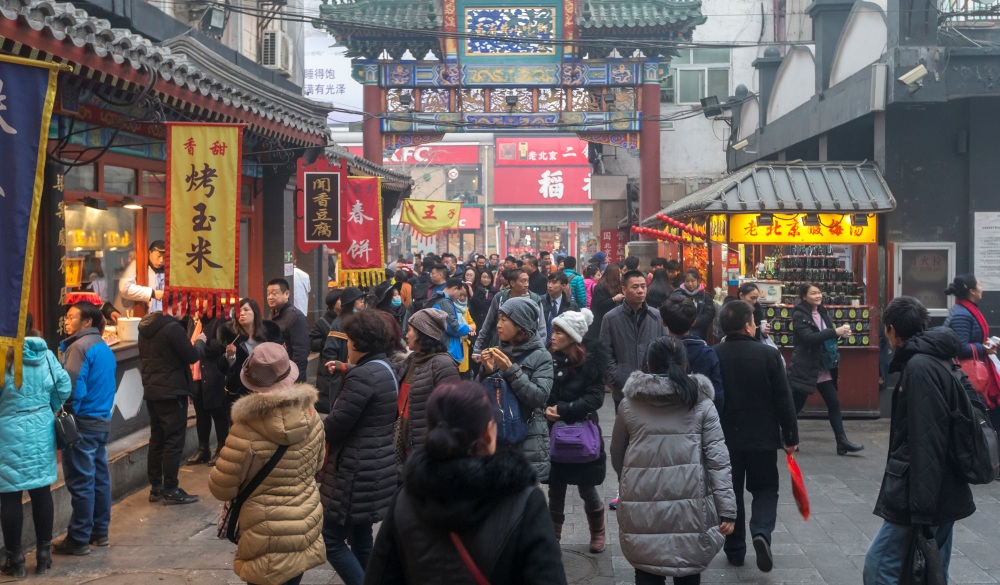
(167, 427)
(12, 516)
(828, 390)
(758, 472)
(204, 417)
(644, 578)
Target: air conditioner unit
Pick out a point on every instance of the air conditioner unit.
(276, 52)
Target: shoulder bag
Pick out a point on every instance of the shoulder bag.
(477, 574)
(229, 520)
(977, 372)
(574, 443)
(67, 434)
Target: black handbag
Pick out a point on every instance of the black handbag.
(67, 434)
(229, 520)
(922, 563)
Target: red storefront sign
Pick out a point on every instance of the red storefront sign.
(429, 154)
(551, 185)
(613, 244)
(470, 218)
(545, 151)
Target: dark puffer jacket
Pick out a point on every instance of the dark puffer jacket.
(577, 394)
(166, 355)
(703, 304)
(424, 373)
(334, 348)
(920, 485)
(493, 506)
(804, 369)
(317, 339)
(359, 476)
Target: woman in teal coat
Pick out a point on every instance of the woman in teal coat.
(28, 451)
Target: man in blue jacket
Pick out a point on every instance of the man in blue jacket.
(678, 317)
(91, 366)
(457, 329)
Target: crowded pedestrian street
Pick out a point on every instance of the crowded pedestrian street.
(153, 544)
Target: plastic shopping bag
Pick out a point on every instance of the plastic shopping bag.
(798, 487)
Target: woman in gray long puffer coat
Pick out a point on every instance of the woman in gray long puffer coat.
(669, 450)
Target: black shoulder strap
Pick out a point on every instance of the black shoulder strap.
(261, 475)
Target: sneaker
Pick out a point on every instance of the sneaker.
(155, 495)
(765, 562)
(734, 559)
(178, 497)
(614, 504)
(100, 541)
(69, 547)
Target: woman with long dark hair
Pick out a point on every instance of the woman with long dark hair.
(973, 332)
(208, 384)
(579, 367)
(466, 507)
(246, 332)
(815, 358)
(659, 289)
(482, 297)
(669, 451)
(606, 296)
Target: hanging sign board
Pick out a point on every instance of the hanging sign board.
(744, 228)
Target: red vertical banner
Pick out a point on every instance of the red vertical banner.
(613, 244)
(361, 249)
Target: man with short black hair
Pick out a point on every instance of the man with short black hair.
(150, 294)
(451, 262)
(480, 263)
(494, 262)
(545, 262)
(673, 268)
(536, 280)
(678, 316)
(294, 328)
(758, 418)
(556, 301)
(921, 487)
(439, 277)
(487, 336)
(577, 287)
(631, 263)
(628, 330)
(456, 329)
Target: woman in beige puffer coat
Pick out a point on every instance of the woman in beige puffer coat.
(281, 522)
(676, 501)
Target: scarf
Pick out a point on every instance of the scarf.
(977, 315)
(461, 307)
(991, 400)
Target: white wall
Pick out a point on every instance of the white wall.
(863, 43)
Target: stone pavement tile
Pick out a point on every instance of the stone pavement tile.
(983, 554)
(963, 570)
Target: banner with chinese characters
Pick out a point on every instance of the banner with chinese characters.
(27, 93)
(321, 203)
(361, 256)
(613, 244)
(203, 197)
(745, 228)
(426, 217)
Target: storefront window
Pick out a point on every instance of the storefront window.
(154, 184)
(462, 183)
(81, 178)
(105, 241)
(119, 180)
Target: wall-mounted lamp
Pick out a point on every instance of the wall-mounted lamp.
(810, 220)
(511, 101)
(765, 220)
(129, 202)
(741, 144)
(405, 99)
(859, 219)
(213, 22)
(710, 106)
(610, 98)
(94, 203)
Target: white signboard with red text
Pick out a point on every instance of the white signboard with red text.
(429, 154)
(544, 151)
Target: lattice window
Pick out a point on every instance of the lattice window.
(551, 99)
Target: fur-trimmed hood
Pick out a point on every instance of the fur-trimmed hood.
(660, 389)
(282, 416)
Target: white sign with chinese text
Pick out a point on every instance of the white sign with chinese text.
(327, 78)
(987, 250)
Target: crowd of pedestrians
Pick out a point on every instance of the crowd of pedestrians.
(447, 395)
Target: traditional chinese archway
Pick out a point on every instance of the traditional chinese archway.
(568, 75)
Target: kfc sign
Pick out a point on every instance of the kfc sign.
(470, 218)
(429, 154)
(554, 185)
(547, 151)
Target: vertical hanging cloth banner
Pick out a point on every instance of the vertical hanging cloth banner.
(361, 256)
(27, 93)
(203, 222)
(427, 217)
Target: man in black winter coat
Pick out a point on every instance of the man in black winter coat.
(920, 486)
(758, 419)
(293, 324)
(166, 354)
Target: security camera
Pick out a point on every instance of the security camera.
(741, 144)
(914, 75)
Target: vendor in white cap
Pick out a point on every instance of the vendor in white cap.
(130, 293)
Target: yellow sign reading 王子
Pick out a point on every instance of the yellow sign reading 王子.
(745, 228)
(203, 187)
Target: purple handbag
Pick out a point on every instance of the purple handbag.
(574, 443)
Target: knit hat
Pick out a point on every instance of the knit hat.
(523, 312)
(431, 322)
(268, 369)
(574, 323)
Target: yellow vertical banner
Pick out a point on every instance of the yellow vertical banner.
(204, 163)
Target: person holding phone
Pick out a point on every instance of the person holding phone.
(815, 358)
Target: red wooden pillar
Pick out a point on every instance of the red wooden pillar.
(649, 144)
(371, 126)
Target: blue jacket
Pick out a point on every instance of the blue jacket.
(703, 360)
(27, 431)
(91, 367)
(968, 332)
(577, 286)
(456, 329)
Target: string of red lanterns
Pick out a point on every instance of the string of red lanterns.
(681, 226)
(658, 234)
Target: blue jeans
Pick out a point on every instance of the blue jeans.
(349, 563)
(85, 466)
(884, 559)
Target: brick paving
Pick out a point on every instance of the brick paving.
(177, 545)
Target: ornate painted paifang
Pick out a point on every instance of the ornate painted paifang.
(391, 142)
(512, 23)
(627, 140)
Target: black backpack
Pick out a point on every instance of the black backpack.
(973, 445)
(421, 293)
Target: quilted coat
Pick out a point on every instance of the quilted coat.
(281, 523)
(27, 432)
(424, 373)
(358, 479)
(676, 481)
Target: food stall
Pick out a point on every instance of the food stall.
(782, 225)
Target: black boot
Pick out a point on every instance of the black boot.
(202, 455)
(43, 557)
(13, 564)
(845, 446)
(215, 456)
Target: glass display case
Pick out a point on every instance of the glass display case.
(105, 241)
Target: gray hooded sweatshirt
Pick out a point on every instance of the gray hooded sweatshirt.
(676, 482)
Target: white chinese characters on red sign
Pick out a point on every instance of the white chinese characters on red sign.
(541, 186)
(613, 244)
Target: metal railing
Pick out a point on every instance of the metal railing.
(970, 10)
